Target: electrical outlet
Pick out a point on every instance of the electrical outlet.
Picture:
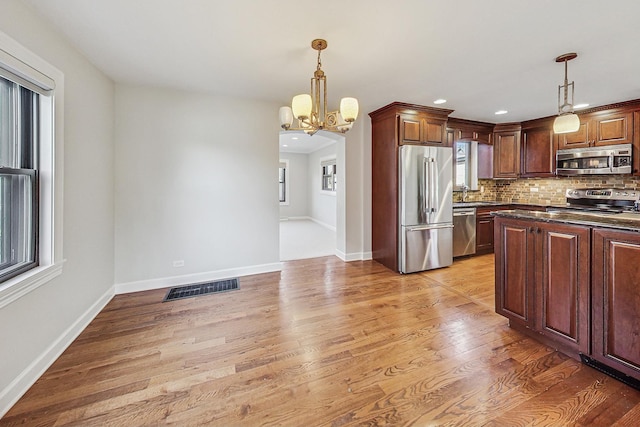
(178, 263)
(482, 188)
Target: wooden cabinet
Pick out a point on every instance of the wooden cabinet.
(608, 127)
(484, 228)
(423, 128)
(515, 246)
(506, 151)
(616, 300)
(538, 149)
(469, 130)
(391, 126)
(542, 279)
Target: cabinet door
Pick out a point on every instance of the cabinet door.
(484, 233)
(616, 300)
(562, 292)
(485, 161)
(514, 248)
(409, 130)
(612, 129)
(538, 152)
(506, 154)
(577, 139)
(434, 131)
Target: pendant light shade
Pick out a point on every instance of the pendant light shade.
(301, 106)
(286, 117)
(566, 123)
(349, 109)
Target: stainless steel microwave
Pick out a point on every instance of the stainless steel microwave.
(605, 160)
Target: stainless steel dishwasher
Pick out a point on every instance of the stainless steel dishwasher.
(464, 231)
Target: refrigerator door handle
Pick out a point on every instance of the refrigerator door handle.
(434, 185)
(426, 203)
(428, 227)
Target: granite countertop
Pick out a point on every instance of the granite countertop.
(485, 203)
(619, 221)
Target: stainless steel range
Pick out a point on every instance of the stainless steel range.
(620, 202)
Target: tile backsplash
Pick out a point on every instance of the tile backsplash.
(542, 191)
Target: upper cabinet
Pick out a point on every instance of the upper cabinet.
(506, 150)
(421, 125)
(608, 127)
(538, 149)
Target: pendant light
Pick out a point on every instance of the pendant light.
(311, 109)
(567, 121)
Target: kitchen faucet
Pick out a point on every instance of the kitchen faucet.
(465, 188)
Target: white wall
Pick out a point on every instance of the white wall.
(36, 327)
(195, 181)
(298, 186)
(322, 204)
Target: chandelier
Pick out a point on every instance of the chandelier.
(567, 121)
(311, 109)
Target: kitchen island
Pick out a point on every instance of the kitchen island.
(572, 280)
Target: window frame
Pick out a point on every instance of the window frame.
(36, 74)
(286, 182)
(332, 162)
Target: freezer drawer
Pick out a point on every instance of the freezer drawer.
(426, 247)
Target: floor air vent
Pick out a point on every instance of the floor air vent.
(201, 289)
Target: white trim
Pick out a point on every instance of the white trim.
(323, 224)
(19, 286)
(19, 386)
(166, 282)
(354, 256)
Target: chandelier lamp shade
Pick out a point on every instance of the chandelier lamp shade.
(310, 110)
(567, 121)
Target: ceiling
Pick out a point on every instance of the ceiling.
(482, 56)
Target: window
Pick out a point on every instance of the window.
(18, 179)
(283, 182)
(329, 176)
(31, 171)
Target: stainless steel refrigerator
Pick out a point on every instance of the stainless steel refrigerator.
(426, 208)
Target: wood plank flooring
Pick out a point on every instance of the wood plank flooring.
(323, 343)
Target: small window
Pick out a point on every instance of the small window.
(283, 182)
(329, 175)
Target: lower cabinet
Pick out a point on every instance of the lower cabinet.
(616, 300)
(543, 278)
(484, 228)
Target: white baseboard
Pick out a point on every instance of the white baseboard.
(19, 386)
(354, 256)
(325, 225)
(166, 282)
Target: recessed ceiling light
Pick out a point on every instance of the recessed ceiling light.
(284, 145)
(294, 138)
(579, 106)
(499, 112)
(440, 101)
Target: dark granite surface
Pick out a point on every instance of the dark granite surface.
(496, 203)
(620, 221)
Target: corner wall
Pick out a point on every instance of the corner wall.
(38, 326)
(195, 182)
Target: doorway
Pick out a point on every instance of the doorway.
(311, 183)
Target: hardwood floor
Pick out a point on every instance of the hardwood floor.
(321, 343)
